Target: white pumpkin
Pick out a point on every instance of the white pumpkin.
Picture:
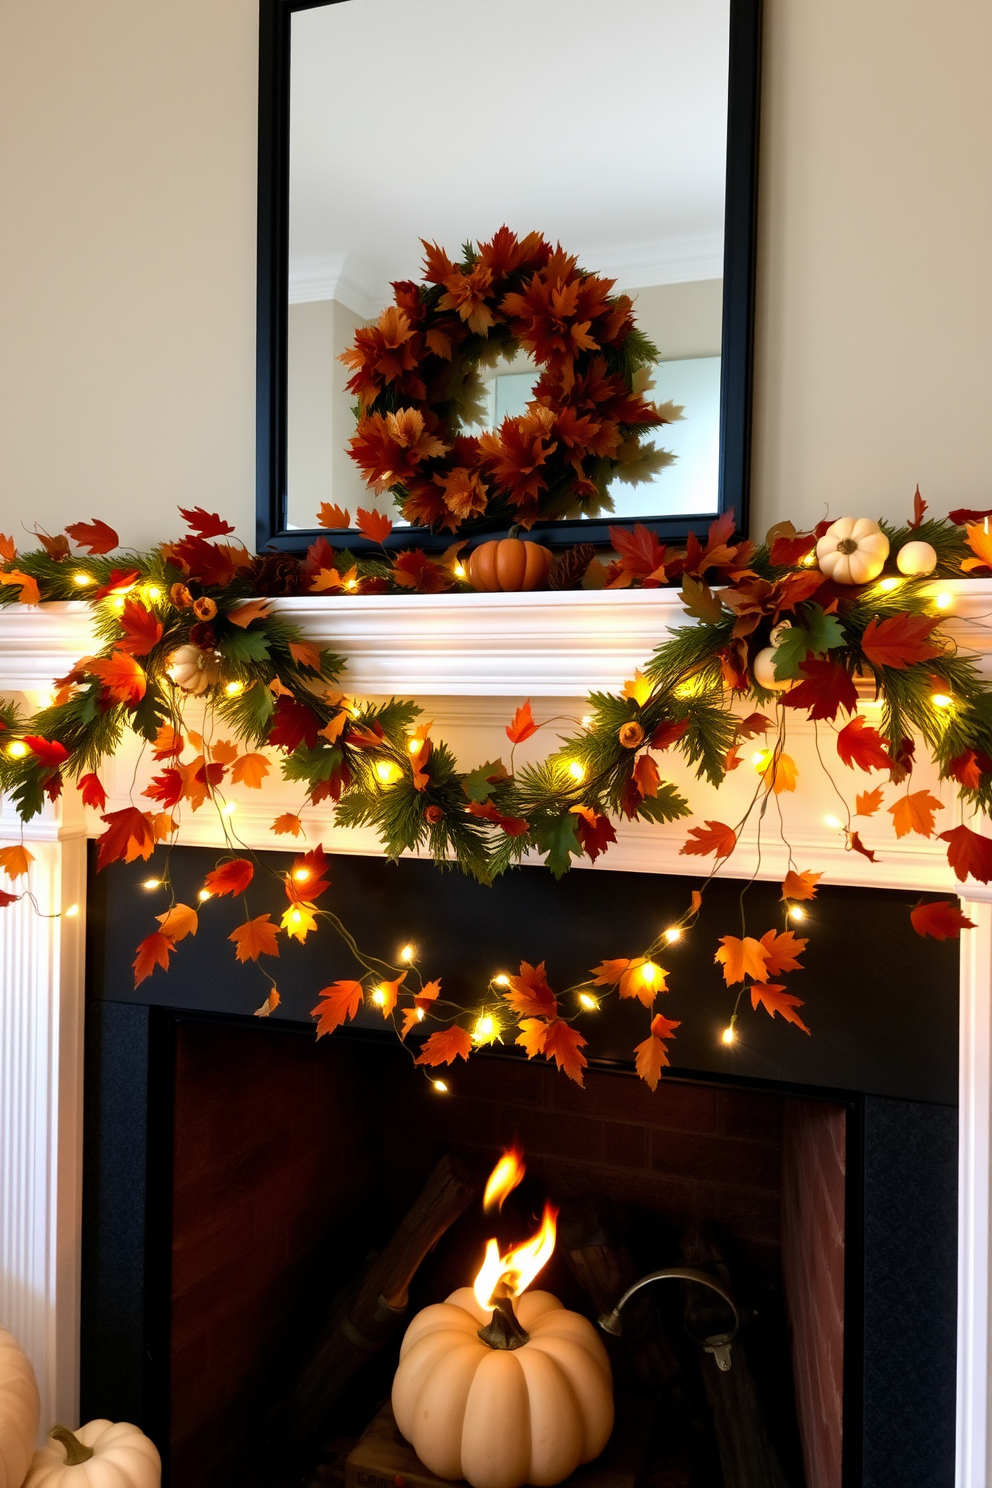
(763, 671)
(853, 550)
(19, 1411)
(916, 559)
(101, 1454)
(502, 1417)
(192, 669)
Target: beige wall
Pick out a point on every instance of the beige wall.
(127, 171)
(683, 320)
(321, 420)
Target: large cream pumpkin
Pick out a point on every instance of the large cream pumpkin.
(19, 1410)
(101, 1454)
(853, 550)
(503, 1417)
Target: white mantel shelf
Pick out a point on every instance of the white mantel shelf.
(470, 659)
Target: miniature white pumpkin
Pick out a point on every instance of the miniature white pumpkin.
(501, 1417)
(192, 669)
(778, 632)
(853, 550)
(763, 670)
(101, 1454)
(19, 1410)
(916, 559)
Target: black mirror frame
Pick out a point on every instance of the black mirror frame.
(740, 223)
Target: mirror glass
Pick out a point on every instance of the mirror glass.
(602, 127)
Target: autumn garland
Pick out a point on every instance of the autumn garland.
(187, 621)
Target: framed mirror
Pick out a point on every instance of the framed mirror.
(626, 133)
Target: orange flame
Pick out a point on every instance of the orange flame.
(504, 1178)
(518, 1268)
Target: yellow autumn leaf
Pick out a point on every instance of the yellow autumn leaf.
(779, 774)
(15, 861)
(298, 921)
(639, 688)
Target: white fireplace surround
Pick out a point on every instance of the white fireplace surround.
(470, 660)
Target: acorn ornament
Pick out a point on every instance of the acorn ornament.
(853, 550)
(916, 560)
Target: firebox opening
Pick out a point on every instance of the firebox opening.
(294, 1161)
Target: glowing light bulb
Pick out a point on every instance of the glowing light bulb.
(588, 721)
(650, 973)
(941, 700)
(889, 584)
(834, 822)
(72, 911)
(379, 996)
(82, 580)
(576, 771)
(234, 689)
(42, 699)
(414, 746)
(484, 1029)
(672, 934)
(302, 874)
(152, 883)
(153, 592)
(229, 808)
(18, 749)
(760, 759)
(351, 583)
(296, 917)
(459, 570)
(387, 772)
(589, 1002)
(420, 1015)
(728, 1035)
(204, 895)
(810, 559)
(795, 913)
(502, 980)
(943, 600)
(408, 953)
(116, 602)
(440, 1086)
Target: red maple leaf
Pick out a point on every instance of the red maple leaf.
(564, 1045)
(529, 994)
(940, 918)
(714, 838)
(786, 551)
(57, 548)
(6, 898)
(595, 831)
(375, 525)
(153, 951)
(900, 640)
(902, 761)
(95, 535)
(48, 752)
(962, 515)
(230, 878)
(294, 724)
(856, 845)
(168, 788)
(860, 744)
(123, 680)
(207, 524)
(919, 507)
(118, 581)
(412, 569)
(827, 687)
(775, 999)
(92, 791)
(668, 732)
(522, 726)
(446, 1045)
(142, 629)
(752, 725)
(513, 826)
(305, 881)
(968, 852)
(641, 554)
(209, 563)
(340, 1003)
(130, 834)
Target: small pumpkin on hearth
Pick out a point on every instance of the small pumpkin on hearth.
(509, 565)
(19, 1410)
(853, 550)
(99, 1454)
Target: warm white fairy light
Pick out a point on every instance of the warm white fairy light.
(833, 822)
(797, 914)
(728, 1035)
(440, 1086)
(72, 911)
(82, 580)
(153, 592)
(414, 746)
(117, 602)
(576, 771)
(760, 758)
(941, 700)
(302, 875)
(18, 749)
(650, 972)
(229, 808)
(810, 559)
(420, 1015)
(589, 1002)
(204, 895)
(943, 600)
(379, 996)
(588, 721)
(889, 584)
(502, 980)
(234, 689)
(485, 1029)
(295, 917)
(459, 570)
(408, 953)
(152, 883)
(387, 772)
(673, 933)
(351, 583)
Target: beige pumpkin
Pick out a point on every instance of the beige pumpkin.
(500, 1417)
(19, 1410)
(101, 1454)
(763, 671)
(916, 559)
(192, 669)
(853, 550)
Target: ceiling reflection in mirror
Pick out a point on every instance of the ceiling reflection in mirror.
(602, 127)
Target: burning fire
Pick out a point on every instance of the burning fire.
(510, 1274)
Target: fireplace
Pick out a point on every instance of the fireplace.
(237, 1171)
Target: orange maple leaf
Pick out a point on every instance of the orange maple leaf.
(340, 1003)
(123, 679)
(428, 993)
(142, 629)
(230, 878)
(900, 640)
(741, 958)
(333, 730)
(643, 979)
(333, 516)
(531, 1036)
(782, 948)
(30, 594)
(695, 901)
(8, 549)
(305, 655)
(445, 1046)
(244, 614)
(522, 726)
(15, 861)
(779, 774)
(269, 1005)
(390, 992)
(714, 838)
(651, 1056)
(412, 1016)
(868, 802)
(255, 938)
(564, 1045)
(774, 1000)
(153, 951)
(941, 919)
(646, 775)
(608, 973)
(250, 770)
(224, 752)
(129, 835)
(800, 885)
(179, 921)
(529, 992)
(914, 813)
(288, 822)
(373, 524)
(168, 744)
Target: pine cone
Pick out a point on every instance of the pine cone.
(568, 568)
(275, 574)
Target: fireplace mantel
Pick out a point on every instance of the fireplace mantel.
(470, 660)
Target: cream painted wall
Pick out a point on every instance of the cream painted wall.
(321, 420)
(683, 320)
(127, 262)
(127, 177)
